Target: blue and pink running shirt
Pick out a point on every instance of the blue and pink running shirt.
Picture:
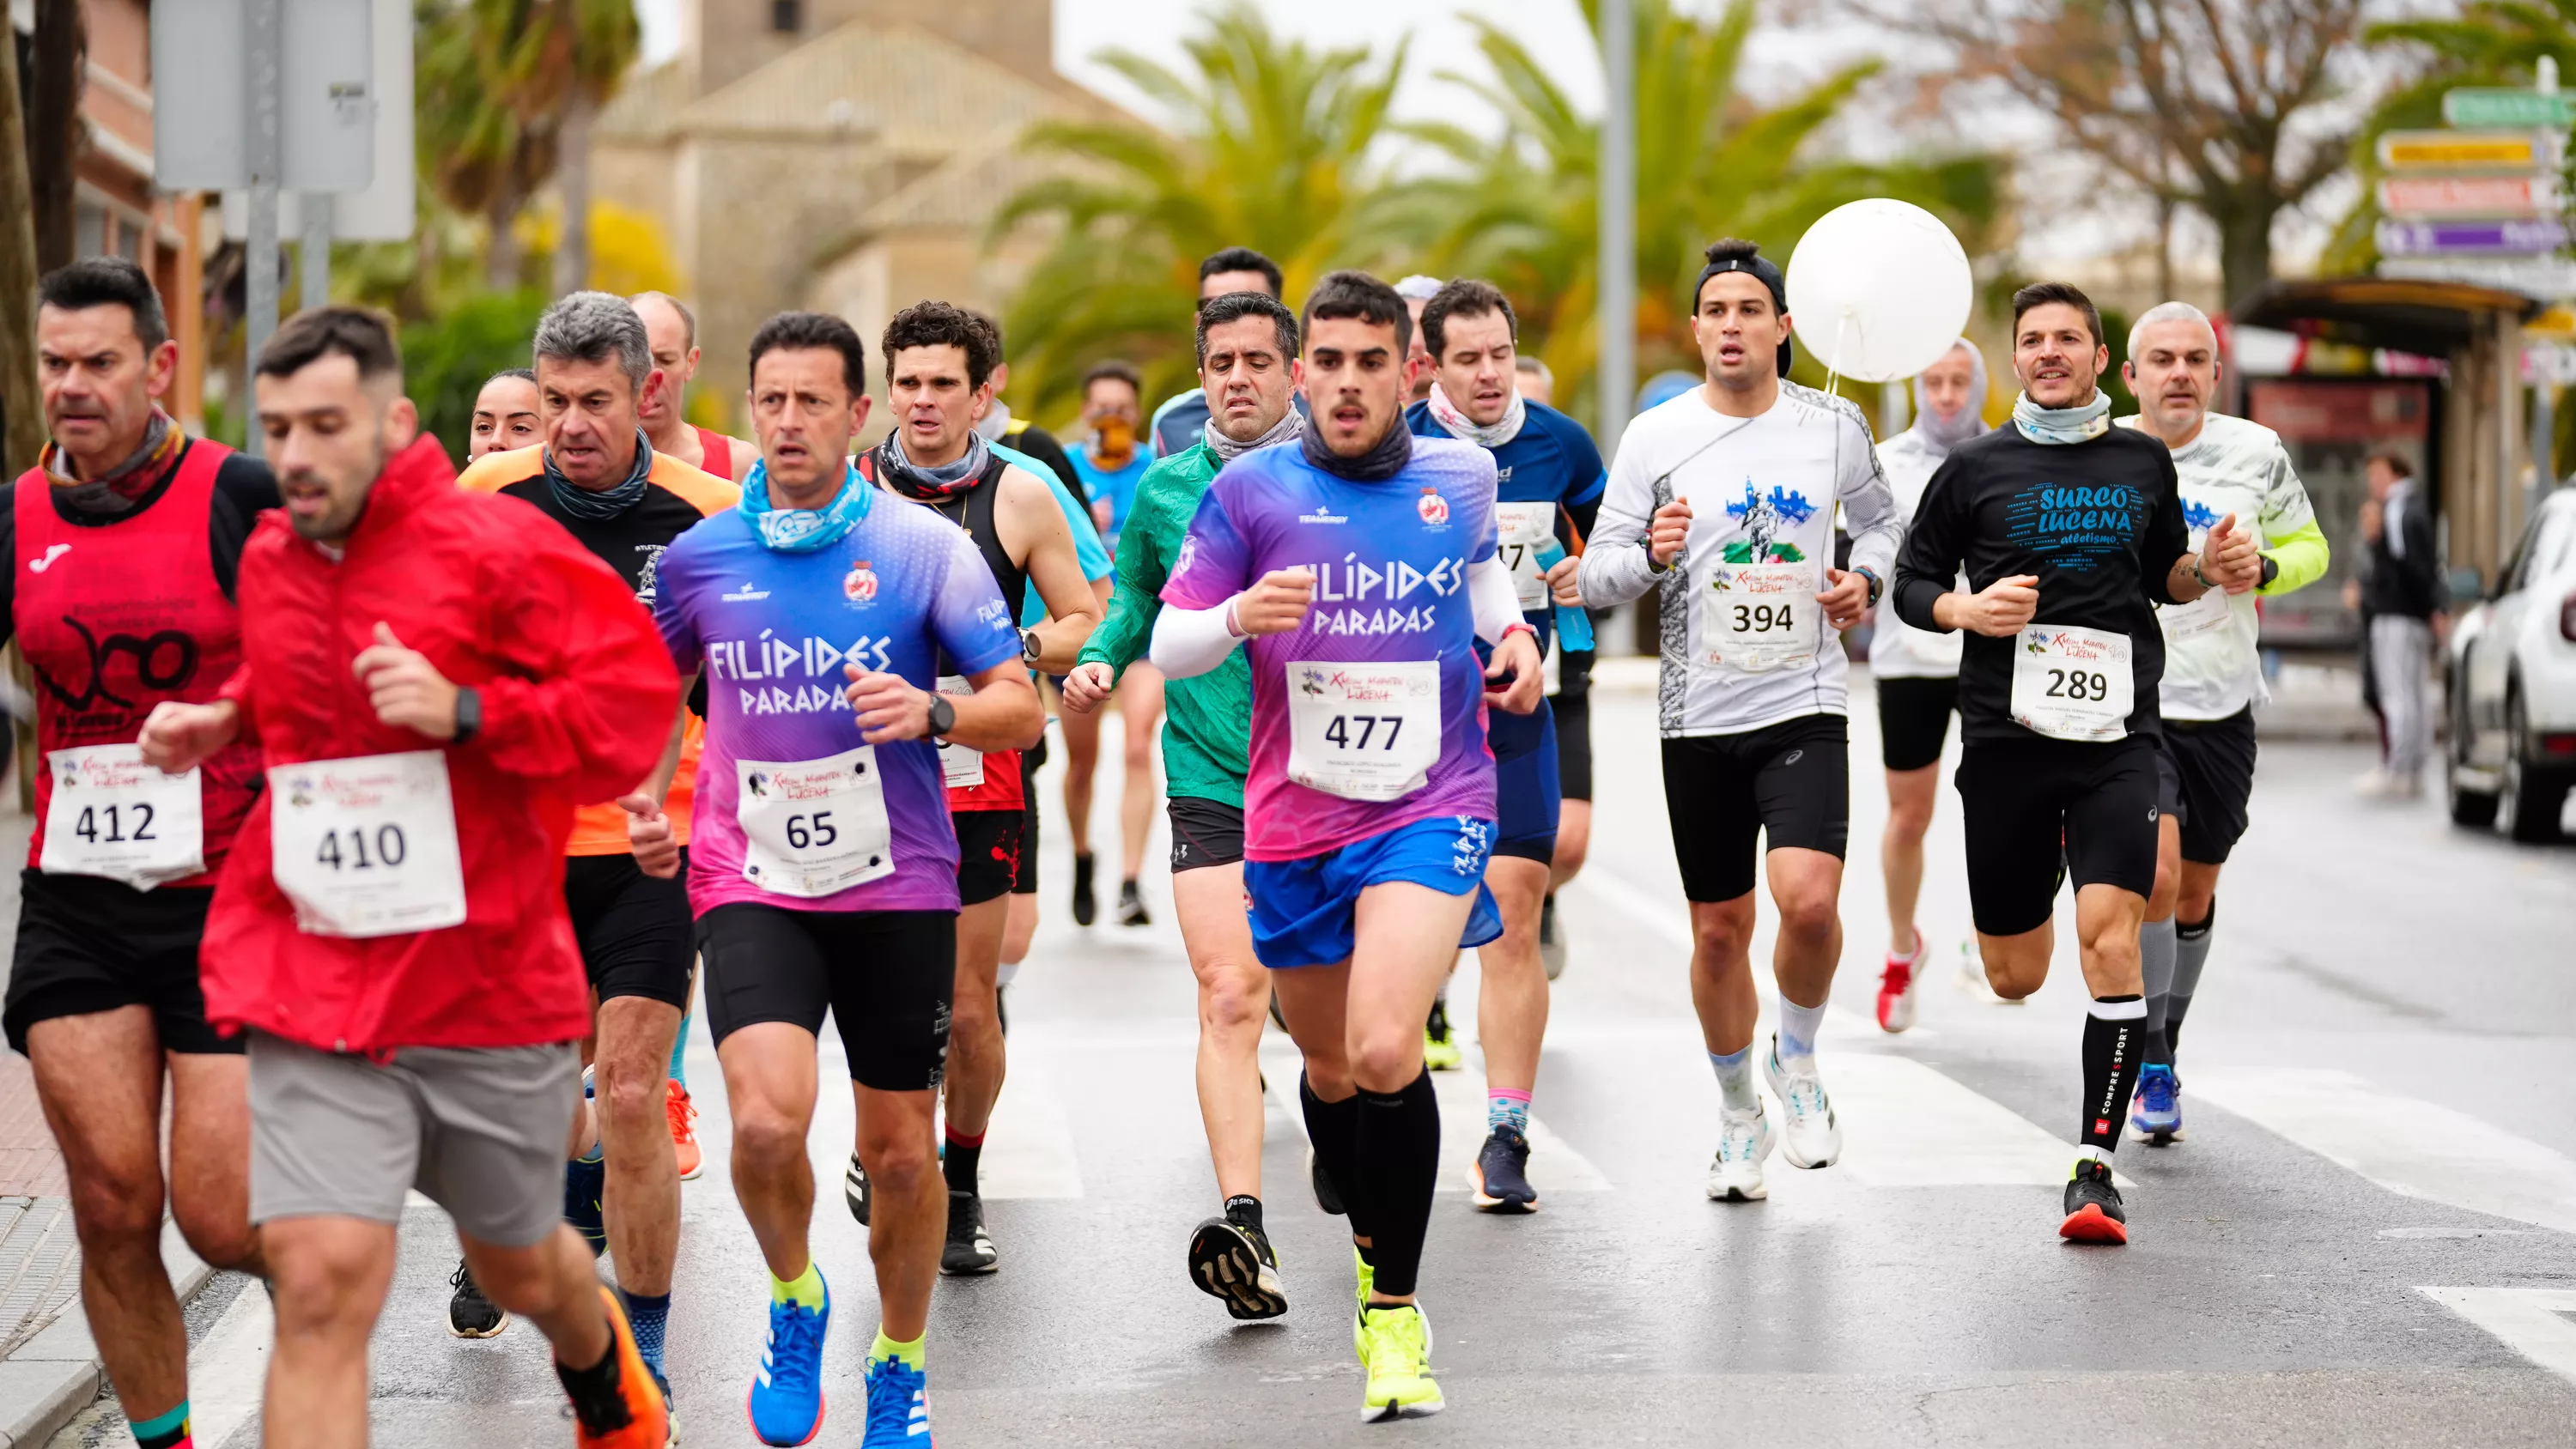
(775, 632)
(1346, 707)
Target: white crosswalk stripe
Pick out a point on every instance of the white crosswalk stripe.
(2538, 1323)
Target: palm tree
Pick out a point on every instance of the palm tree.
(2489, 43)
(1272, 145)
(471, 147)
(1711, 162)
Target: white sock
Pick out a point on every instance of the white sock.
(2087, 1152)
(1735, 1079)
(1798, 1028)
(1003, 973)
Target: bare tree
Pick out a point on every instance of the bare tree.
(2215, 106)
(22, 419)
(54, 135)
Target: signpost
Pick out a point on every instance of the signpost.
(2535, 276)
(2485, 106)
(2519, 236)
(2471, 150)
(2436, 197)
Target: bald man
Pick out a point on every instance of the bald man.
(673, 330)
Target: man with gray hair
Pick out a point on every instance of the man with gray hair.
(2213, 675)
(599, 477)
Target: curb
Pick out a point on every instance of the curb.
(56, 1374)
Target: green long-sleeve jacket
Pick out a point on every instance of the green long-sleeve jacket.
(1207, 730)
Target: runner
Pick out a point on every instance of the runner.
(939, 365)
(626, 503)
(1247, 350)
(2069, 530)
(1181, 419)
(1916, 676)
(2213, 675)
(1417, 291)
(414, 1026)
(1111, 465)
(1752, 700)
(1361, 564)
(1549, 487)
(673, 329)
(1537, 383)
(131, 532)
(505, 414)
(825, 871)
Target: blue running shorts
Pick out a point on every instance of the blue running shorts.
(1525, 782)
(1304, 912)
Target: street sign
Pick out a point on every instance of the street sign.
(2547, 278)
(201, 96)
(2504, 108)
(384, 210)
(2434, 197)
(2558, 322)
(2471, 238)
(2471, 150)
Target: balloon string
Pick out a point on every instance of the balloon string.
(1834, 365)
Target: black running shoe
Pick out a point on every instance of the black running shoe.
(1551, 945)
(585, 1185)
(1502, 1177)
(1002, 1008)
(1327, 1196)
(1085, 905)
(855, 1190)
(969, 1251)
(1131, 906)
(469, 1313)
(2093, 1212)
(1233, 1261)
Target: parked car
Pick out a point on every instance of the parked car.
(2511, 682)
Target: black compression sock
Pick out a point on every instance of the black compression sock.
(2175, 1006)
(1334, 1128)
(1243, 1210)
(1399, 1150)
(594, 1391)
(958, 1163)
(2112, 1043)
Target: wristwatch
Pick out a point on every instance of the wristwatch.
(943, 716)
(2271, 571)
(1876, 588)
(1030, 649)
(469, 716)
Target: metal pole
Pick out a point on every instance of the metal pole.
(1618, 207)
(313, 252)
(263, 55)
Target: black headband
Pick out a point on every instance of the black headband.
(1760, 269)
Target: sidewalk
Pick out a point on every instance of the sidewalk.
(39, 1263)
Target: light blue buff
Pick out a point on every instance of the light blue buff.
(803, 530)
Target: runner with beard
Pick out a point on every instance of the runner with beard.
(1247, 349)
(2071, 532)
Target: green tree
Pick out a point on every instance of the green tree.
(1272, 145)
(1711, 162)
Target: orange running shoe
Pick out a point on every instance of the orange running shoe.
(684, 1138)
(637, 1416)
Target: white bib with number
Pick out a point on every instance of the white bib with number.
(2072, 684)
(814, 827)
(1761, 616)
(2211, 611)
(1363, 731)
(1521, 530)
(961, 767)
(367, 846)
(113, 815)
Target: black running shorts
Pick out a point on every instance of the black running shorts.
(1914, 720)
(2208, 768)
(886, 977)
(635, 933)
(1204, 832)
(1025, 883)
(988, 853)
(88, 944)
(1789, 782)
(1573, 745)
(2038, 810)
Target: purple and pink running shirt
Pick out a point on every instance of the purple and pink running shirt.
(1390, 618)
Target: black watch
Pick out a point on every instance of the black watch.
(1875, 587)
(2271, 571)
(1030, 648)
(469, 716)
(943, 716)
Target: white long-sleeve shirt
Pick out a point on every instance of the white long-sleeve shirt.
(1744, 644)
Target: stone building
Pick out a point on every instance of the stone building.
(846, 155)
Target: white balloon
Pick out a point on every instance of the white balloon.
(1879, 289)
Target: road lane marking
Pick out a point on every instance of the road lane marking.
(1908, 1125)
(1028, 1149)
(1554, 1164)
(2533, 1322)
(2404, 1144)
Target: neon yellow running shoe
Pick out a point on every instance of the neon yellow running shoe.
(1439, 1047)
(1368, 1280)
(1395, 1351)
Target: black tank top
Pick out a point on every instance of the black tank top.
(971, 508)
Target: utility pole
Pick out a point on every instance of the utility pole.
(265, 51)
(22, 418)
(1617, 369)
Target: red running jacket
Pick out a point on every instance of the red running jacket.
(577, 692)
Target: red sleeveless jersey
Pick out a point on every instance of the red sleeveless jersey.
(115, 618)
(719, 454)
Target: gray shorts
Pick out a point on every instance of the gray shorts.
(480, 1131)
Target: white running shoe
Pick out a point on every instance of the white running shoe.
(1743, 1140)
(1972, 977)
(1807, 1114)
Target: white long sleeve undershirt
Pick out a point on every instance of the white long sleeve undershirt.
(1190, 642)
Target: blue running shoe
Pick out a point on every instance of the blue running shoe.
(585, 1183)
(786, 1404)
(898, 1406)
(2155, 1114)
